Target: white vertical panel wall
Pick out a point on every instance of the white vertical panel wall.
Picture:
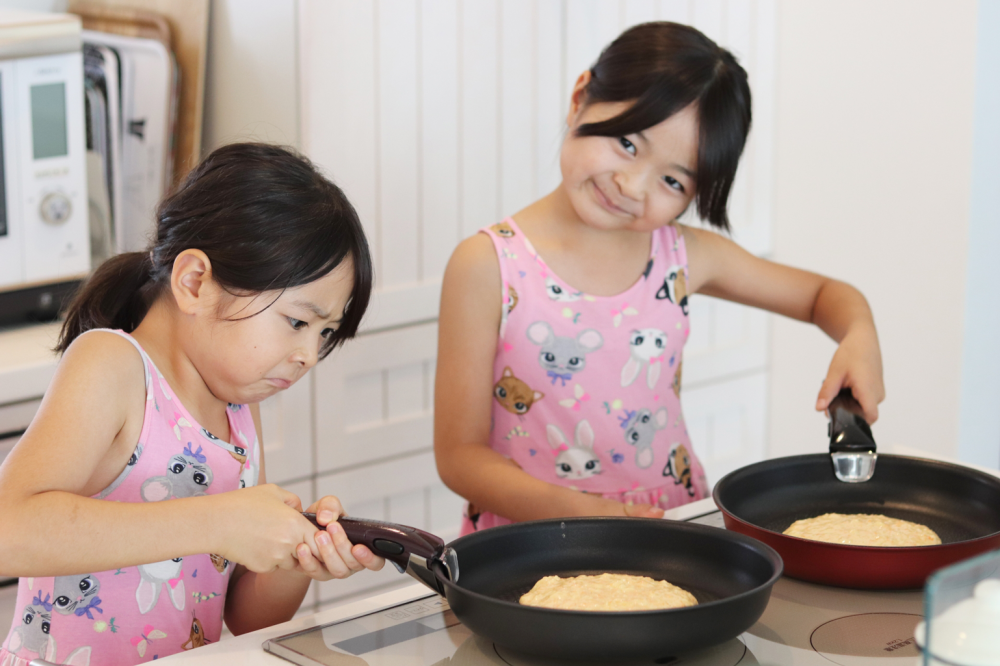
(438, 117)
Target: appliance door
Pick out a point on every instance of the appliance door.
(961, 504)
(11, 250)
(730, 575)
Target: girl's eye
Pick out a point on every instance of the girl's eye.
(296, 323)
(627, 145)
(674, 183)
(328, 333)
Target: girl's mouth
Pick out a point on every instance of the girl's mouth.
(279, 383)
(606, 202)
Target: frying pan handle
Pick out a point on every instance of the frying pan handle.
(848, 430)
(393, 542)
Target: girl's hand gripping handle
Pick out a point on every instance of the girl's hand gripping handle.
(393, 542)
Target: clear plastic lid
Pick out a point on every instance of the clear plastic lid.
(962, 614)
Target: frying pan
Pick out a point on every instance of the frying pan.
(961, 504)
(484, 574)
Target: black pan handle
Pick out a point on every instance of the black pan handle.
(393, 542)
(848, 430)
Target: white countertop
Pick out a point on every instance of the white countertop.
(27, 361)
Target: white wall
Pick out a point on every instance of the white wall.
(251, 84)
(979, 427)
(873, 162)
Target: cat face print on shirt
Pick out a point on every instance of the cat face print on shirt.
(674, 288)
(559, 293)
(646, 348)
(502, 229)
(679, 467)
(515, 395)
(562, 356)
(188, 475)
(76, 595)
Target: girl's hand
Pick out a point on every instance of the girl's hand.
(857, 364)
(337, 557)
(266, 528)
(642, 511)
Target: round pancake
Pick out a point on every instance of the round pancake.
(863, 530)
(607, 592)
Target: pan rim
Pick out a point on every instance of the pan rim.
(769, 553)
(850, 547)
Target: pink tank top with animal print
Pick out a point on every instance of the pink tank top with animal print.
(587, 388)
(136, 614)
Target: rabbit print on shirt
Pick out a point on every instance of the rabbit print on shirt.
(577, 461)
(646, 348)
(154, 577)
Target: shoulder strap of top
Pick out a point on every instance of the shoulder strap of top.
(135, 343)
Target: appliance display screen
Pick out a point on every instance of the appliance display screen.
(48, 120)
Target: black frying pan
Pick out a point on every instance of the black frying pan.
(484, 574)
(959, 503)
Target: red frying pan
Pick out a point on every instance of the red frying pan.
(961, 504)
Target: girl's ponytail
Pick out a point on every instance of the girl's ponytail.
(115, 296)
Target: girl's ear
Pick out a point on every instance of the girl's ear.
(578, 98)
(191, 281)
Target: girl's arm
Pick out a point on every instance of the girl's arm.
(258, 600)
(719, 267)
(467, 339)
(86, 428)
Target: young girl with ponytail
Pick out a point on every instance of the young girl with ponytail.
(118, 507)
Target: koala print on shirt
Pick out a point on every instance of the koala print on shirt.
(562, 356)
(640, 430)
(188, 475)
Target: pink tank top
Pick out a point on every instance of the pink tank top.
(137, 614)
(587, 388)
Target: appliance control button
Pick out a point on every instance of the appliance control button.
(387, 547)
(55, 208)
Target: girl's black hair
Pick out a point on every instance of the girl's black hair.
(664, 67)
(266, 219)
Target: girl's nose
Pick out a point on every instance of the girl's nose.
(629, 184)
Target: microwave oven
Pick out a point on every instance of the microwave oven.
(44, 231)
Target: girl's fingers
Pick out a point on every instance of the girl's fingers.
(309, 565)
(828, 391)
(327, 510)
(869, 404)
(366, 557)
(343, 546)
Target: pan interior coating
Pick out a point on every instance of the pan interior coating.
(863, 530)
(607, 592)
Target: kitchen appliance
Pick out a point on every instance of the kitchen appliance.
(484, 574)
(959, 503)
(44, 235)
(803, 625)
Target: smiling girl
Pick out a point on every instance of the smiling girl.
(135, 507)
(562, 328)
